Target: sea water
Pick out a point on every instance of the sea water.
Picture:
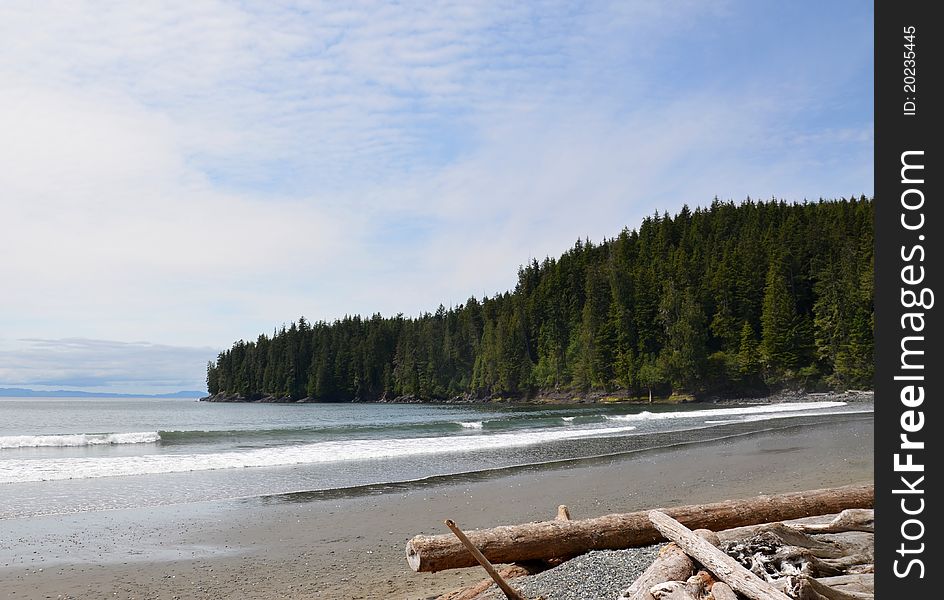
(60, 456)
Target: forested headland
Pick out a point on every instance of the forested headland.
(731, 299)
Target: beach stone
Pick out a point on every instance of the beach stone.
(592, 576)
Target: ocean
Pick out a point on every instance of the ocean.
(64, 456)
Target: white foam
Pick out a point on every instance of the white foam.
(78, 439)
(568, 419)
(47, 469)
(471, 424)
(793, 407)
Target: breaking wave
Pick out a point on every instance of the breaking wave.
(47, 469)
(78, 439)
(793, 407)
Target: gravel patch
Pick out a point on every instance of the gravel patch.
(597, 575)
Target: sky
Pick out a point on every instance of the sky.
(177, 175)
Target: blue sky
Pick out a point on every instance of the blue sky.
(181, 174)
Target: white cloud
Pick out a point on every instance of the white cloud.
(194, 172)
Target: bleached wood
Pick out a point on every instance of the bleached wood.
(694, 588)
(853, 519)
(672, 564)
(472, 592)
(722, 591)
(509, 591)
(547, 539)
(808, 588)
(720, 564)
(858, 582)
(709, 536)
(672, 590)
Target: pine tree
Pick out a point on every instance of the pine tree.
(778, 322)
(683, 355)
(713, 299)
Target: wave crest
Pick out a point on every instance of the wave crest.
(78, 439)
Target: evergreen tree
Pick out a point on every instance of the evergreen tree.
(778, 322)
(716, 299)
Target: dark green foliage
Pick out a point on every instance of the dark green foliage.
(723, 299)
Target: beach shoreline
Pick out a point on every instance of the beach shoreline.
(353, 547)
(552, 398)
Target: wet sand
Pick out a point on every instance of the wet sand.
(353, 547)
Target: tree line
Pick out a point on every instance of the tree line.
(727, 299)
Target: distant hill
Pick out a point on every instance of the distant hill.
(731, 299)
(28, 393)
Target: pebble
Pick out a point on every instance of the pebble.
(592, 576)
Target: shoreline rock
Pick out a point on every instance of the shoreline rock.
(569, 398)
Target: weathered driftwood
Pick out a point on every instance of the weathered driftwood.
(547, 539)
(776, 551)
(695, 587)
(767, 555)
(851, 519)
(859, 582)
(850, 542)
(472, 592)
(792, 537)
(722, 591)
(863, 569)
(522, 569)
(509, 591)
(563, 513)
(709, 536)
(720, 564)
(845, 563)
(808, 588)
(672, 590)
(672, 564)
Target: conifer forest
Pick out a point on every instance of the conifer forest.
(731, 299)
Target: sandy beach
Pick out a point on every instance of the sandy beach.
(353, 547)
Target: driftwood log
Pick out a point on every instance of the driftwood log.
(862, 582)
(787, 535)
(720, 564)
(853, 519)
(549, 539)
(695, 588)
(510, 592)
(803, 587)
(722, 591)
(670, 565)
(472, 592)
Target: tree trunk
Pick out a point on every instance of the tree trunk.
(547, 539)
(720, 564)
